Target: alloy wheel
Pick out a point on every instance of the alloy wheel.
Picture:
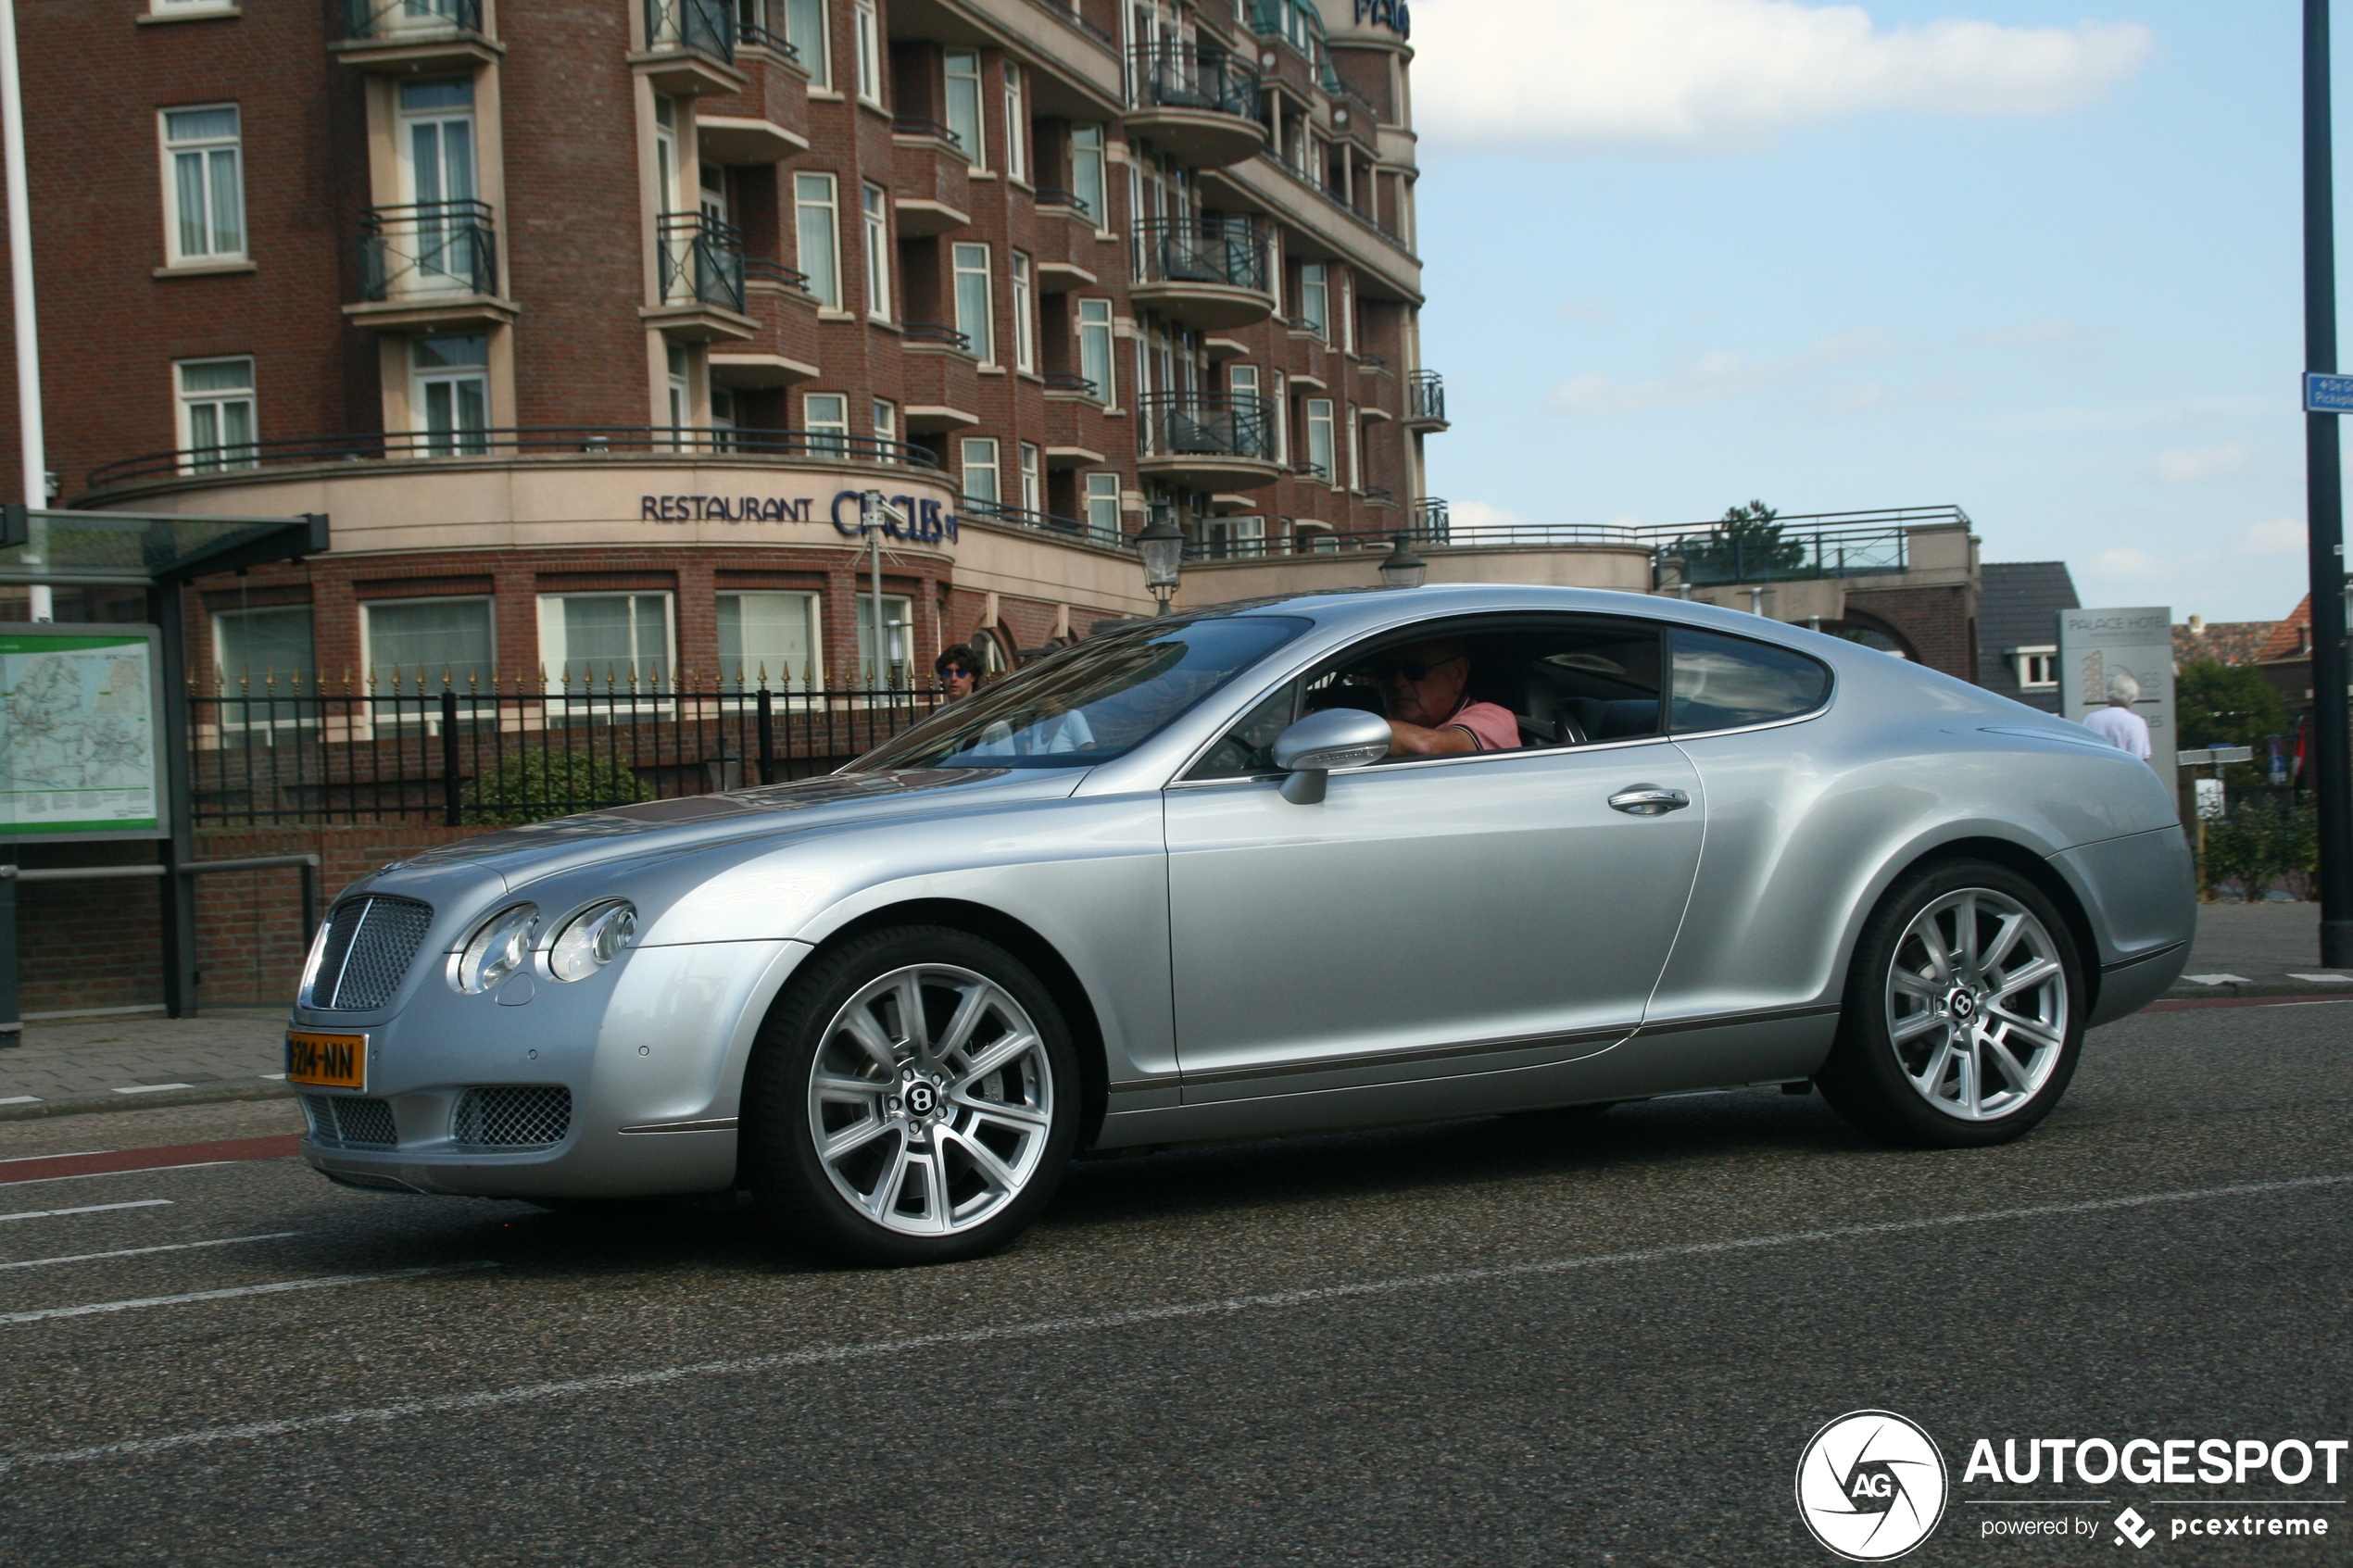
(1977, 1004)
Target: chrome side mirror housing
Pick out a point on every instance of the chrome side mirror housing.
(1337, 738)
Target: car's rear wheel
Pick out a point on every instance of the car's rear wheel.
(914, 1098)
(1964, 1011)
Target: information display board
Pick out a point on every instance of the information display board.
(82, 733)
(2098, 643)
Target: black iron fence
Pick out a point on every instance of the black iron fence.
(702, 260)
(377, 19)
(427, 247)
(1229, 252)
(707, 25)
(447, 750)
(1208, 423)
(1180, 76)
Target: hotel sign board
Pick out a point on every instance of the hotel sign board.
(2096, 644)
(81, 733)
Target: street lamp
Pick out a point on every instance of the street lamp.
(1162, 548)
(1402, 568)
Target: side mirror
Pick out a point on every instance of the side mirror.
(1337, 738)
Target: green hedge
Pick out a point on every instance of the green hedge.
(540, 784)
(2257, 844)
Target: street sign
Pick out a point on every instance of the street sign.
(2214, 756)
(2327, 394)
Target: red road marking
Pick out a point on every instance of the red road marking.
(36, 1170)
(2178, 1004)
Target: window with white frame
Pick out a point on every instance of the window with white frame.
(605, 642)
(1241, 380)
(449, 394)
(2037, 667)
(870, 53)
(1281, 400)
(771, 642)
(1224, 538)
(251, 647)
(962, 109)
(204, 186)
(898, 614)
(805, 30)
(817, 233)
(1016, 123)
(1102, 503)
(1355, 453)
(1315, 298)
(1347, 310)
(1094, 348)
(1033, 480)
(679, 396)
(443, 248)
(825, 416)
(723, 419)
(972, 305)
(1086, 181)
(216, 414)
(876, 205)
(886, 427)
(980, 473)
(1025, 314)
(420, 640)
(1319, 438)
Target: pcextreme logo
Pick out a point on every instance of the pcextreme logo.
(1872, 1485)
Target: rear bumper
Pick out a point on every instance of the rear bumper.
(2127, 986)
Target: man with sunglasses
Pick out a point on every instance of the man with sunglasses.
(1428, 715)
(959, 671)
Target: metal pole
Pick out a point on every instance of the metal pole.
(178, 847)
(36, 456)
(11, 1007)
(874, 534)
(2324, 502)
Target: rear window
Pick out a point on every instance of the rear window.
(1722, 682)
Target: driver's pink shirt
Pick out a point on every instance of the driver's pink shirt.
(1491, 725)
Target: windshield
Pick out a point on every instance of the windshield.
(1089, 703)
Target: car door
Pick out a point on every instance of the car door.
(1435, 917)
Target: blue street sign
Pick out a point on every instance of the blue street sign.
(2327, 394)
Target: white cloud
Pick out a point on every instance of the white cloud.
(1479, 514)
(1711, 378)
(1715, 75)
(2130, 564)
(2273, 536)
(2189, 465)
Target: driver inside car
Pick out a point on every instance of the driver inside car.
(1424, 685)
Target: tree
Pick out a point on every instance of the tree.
(1745, 546)
(2220, 704)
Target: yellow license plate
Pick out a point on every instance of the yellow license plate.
(330, 1061)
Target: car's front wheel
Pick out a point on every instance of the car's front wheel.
(914, 1098)
(1964, 1012)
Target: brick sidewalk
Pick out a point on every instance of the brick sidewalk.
(125, 1061)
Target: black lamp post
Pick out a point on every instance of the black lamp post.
(1162, 548)
(2332, 739)
(1402, 568)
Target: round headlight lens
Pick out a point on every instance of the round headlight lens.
(500, 946)
(591, 939)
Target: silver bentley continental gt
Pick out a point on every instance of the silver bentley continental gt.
(1327, 862)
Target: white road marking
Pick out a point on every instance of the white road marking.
(70, 1154)
(136, 1252)
(318, 1283)
(21, 1100)
(2218, 980)
(92, 1209)
(142, 1171)
(824, 1354)
(2339, 979)
(151, 1088)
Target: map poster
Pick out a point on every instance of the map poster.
(81, 732)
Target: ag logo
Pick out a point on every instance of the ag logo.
(1871, 1486)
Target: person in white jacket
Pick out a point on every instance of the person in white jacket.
(2116, 723)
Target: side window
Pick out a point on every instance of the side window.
(1248, 748)
(1721, 682)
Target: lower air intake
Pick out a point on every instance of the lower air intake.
(349, 1123)
(513, 1117)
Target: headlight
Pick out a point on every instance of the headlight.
(591, 939)
(498, 946)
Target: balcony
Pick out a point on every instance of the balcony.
(1208, 440)
(701, 268)
(1197, 102)
(431, 265)
(1426, 401)
(412, 36)
(690, 48)
(1206, 272)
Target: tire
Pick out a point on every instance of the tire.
(1964, 1012)
(949, 1152)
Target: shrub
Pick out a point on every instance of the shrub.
(539, 785)
(2257, 844)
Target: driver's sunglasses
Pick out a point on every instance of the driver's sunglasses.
(1413, 670)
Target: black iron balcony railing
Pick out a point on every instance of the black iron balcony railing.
(391, 18)
(1431, 525)
(1045, 522)
(752, 35)
(427, 247)
(932, 332)
(1062, 381)
(1054, 195)
(916, 125)
(702, 260)
(1184, 76)
(760, 269)
(1228, 250)
(1426, 397)
(514, 441)
(1208, 424)
(706, 26)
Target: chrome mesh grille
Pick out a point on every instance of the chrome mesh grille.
(369, 944)
(349, 1123)
(513, 1117)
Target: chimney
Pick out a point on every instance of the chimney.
(2197, 627)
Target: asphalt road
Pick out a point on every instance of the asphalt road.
(1534, 1340)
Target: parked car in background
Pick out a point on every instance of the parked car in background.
(1169, 884)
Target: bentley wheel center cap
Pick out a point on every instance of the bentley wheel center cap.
(1963, 1005)
(922, 1099)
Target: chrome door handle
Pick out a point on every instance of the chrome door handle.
(1649, 800)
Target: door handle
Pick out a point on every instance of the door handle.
(1649, 800)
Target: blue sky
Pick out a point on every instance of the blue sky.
(2044, 264)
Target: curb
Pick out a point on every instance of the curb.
(197, 1094)
(2287, 988)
